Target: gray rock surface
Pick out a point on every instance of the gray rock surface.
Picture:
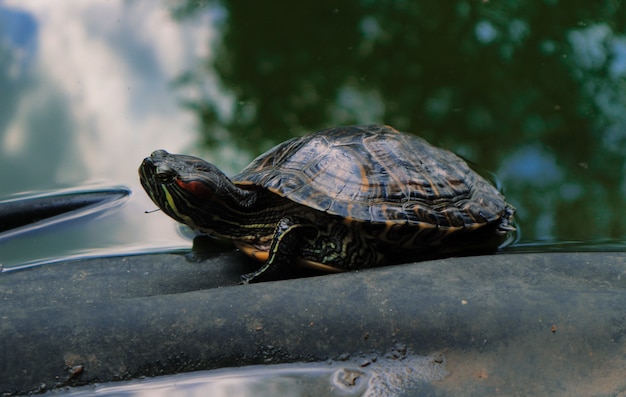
(516, 324)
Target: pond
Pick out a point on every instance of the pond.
(532, 92)
(89, 90)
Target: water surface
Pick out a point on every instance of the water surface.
(532, 92)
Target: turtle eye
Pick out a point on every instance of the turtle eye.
(164, 174)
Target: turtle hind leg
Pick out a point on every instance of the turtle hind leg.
(289, 237)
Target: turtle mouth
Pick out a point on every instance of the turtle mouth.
(147, 174)
(155, 177)
(146, 170)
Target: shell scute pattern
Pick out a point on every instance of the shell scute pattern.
(376, 174)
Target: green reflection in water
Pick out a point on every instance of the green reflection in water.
(534, 91)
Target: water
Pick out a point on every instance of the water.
(533, 92)
(383, 377)
(84, 101)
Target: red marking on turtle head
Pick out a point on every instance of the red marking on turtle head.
(195, 188)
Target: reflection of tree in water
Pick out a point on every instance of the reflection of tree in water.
(535, 90)
(284, 63)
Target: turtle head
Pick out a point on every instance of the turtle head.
(189, 189)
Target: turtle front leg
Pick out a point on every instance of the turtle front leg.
(286, 246)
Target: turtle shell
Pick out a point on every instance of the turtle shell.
(375, 174)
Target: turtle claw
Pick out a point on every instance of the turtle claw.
(248, 278)
(245, 279)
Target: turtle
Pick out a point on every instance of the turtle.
(339, 199)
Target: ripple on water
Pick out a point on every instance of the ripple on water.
(392, 375)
